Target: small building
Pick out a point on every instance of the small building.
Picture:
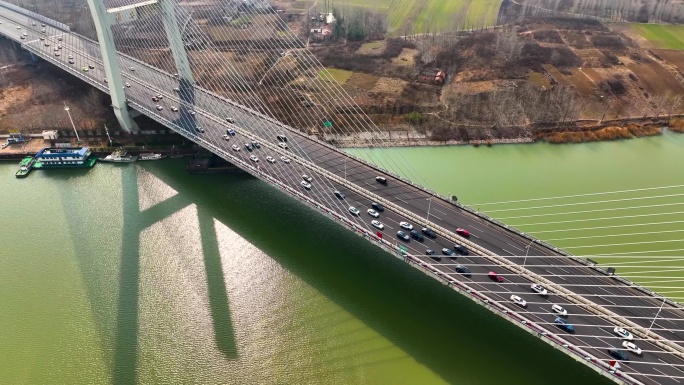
(50, 134)
(70, 157)
(433, 76)
(326, 31)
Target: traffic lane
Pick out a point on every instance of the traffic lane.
(590, 288)
(608, 294)
(421, 206)
(596, 338)
(402, 195)
(591, 331)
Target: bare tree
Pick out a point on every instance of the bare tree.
(508, 45)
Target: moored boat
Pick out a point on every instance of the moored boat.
(119, 156)
(150, 156)
(25, 167)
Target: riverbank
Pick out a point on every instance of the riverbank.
(578, 132)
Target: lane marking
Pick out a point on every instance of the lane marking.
(557, 276)
(666, 375)
(607, 300)
(512, 245)
(669, 364)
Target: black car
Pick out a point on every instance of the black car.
(618, 354)
(381, 180)
(429, 232)
(461, 249)
(463, 270)
(403, 236)
(432, 255)
(417, 236)
(248, 147)
(377, 206)
(338, 194)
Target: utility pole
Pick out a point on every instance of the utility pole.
(66, 108)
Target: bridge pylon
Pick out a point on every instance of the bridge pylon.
(103, 25)
(174, 35)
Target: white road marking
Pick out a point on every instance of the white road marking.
(558, 276)
(512, 245)
(667, 375)
(674, 367)
(607, 300)
(477, 229)
(508, 251)
(440, 211)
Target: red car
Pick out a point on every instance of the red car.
(495, 277)
(462, 232)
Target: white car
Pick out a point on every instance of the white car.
(159, 108)
(254, 158)
(631, 347)
(174, 109)
(377, 224)
(192, 112)
(354, 210)
(285, 159)
(306, 178)
(200, 129)
(518, 301)
(539, 289)
(406, 225)
(128, 85)
(226, 137)
(373, 213)
(132, 69)
(558, 309)
(306, 185)
(270, 159)
(235, 147)
(176, 89)
(624, 334)
(283, 145)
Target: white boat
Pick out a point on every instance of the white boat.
(151, 156)
(119, 156)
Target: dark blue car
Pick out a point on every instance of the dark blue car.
(563, 324)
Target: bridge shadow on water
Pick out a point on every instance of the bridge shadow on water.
(119, 330)
(447, 333)
(442, 330)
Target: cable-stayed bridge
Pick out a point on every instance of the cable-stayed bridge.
(159, 62)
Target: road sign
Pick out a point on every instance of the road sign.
(327, 124)
(402, 247)
(379, 234)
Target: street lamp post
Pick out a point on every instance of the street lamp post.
(527, 251)
(66, 108)
(427, 219)
(658, 313)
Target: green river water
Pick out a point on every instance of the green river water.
(142, 273)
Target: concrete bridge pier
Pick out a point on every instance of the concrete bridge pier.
(103, 23)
